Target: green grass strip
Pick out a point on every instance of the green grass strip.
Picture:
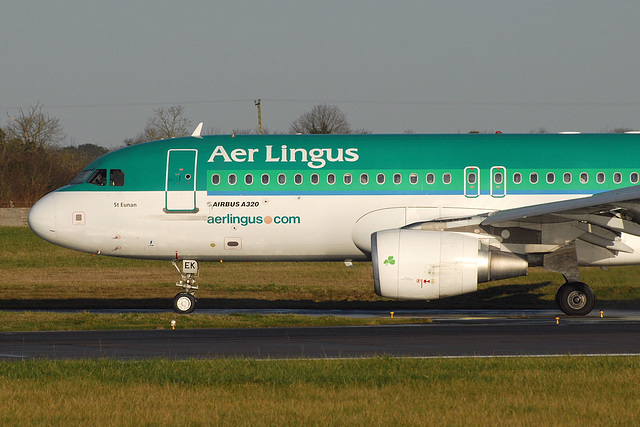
(11, 321)
(571, 391)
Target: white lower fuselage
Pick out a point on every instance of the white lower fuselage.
(254, 228)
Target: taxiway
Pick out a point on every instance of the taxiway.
(472, 334)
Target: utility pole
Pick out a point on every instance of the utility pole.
(259, 115)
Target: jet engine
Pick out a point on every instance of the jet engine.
(427, 265)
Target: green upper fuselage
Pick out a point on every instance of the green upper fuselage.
(378, 164)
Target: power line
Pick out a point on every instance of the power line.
(138, 104)
(350, 101)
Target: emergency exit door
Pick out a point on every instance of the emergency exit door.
(180, 187)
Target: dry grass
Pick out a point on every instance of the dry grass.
(299, 281)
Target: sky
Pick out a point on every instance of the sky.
(426, 66)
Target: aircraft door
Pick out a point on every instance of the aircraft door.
(180, 187)
(472, 181)
(498, 181)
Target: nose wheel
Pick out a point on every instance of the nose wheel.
(185, 301)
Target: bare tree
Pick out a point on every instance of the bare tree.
(363, 131)
(249, 131)
(620, 130)
(322, 119)
(164, 124)
(34, 128)
(170, 122)
(540, 129)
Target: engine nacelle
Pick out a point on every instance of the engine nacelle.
(427, 265)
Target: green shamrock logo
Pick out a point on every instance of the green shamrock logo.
(389, 261)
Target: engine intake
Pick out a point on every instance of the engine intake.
(427, 265)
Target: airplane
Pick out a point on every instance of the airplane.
(435, 214)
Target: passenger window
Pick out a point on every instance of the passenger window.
(116, 178)
(282, 179)
(297, 178)
(551, 178)
(233, 179)
(347, 178)
(397, 178)
(248, 179)
(265, 178)
(634, 177)
(446, 178)
(413, 178)
(380, 178)
(600, 178)
(315, 178)
(584, 178)
(471, 178)
(517, 178)
(215, 179)
(617, 177)
(533, 178)
(99, 177)
(364, 178)
(566, 178)
(431, 178)
(331, 179)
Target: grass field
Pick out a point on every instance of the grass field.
(565, 391)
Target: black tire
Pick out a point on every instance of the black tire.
(575, 299)
(184, 303)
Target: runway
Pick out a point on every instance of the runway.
(449, 337)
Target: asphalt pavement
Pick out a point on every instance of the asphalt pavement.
(454, 335)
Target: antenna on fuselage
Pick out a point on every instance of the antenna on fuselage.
(196, 133)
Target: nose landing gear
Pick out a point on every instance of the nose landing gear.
(185, 301)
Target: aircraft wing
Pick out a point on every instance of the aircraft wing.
(623, 204)
(599, 219)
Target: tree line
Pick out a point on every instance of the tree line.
(34, 162)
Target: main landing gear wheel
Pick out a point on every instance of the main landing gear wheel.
(575, 299)
(184, 303)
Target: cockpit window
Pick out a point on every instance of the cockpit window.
(99, 177)
(82, 177)
(116, 178)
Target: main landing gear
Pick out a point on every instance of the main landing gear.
(575, 299)
(185, 301)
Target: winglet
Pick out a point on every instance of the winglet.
(196, 133)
